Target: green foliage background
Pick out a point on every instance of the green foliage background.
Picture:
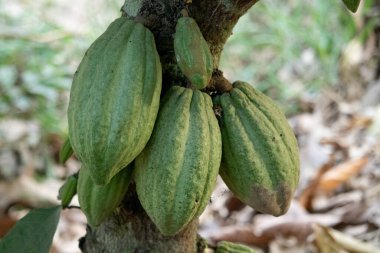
(40, 50)
(289, 49)
(285, 49)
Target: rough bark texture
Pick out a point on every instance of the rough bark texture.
(130, 229)
(216, 19)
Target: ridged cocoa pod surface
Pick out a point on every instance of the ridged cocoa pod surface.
(260, 161)
(192, 52)
(99, 201)
(176, 172)
(114, 99)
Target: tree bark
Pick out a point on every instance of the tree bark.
(215, 18)
(130, 230)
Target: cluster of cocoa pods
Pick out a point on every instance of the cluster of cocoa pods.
(172, 148)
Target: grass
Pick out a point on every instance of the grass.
(289, 49)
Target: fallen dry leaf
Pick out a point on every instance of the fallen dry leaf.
(330, 240)
(297, 223)
(324, 242)
(234, 204)
(6, 223)
(359, 121)
(26, 189)
(306, 197)
(340, 174)
(326, 203)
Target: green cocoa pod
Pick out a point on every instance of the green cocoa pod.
(229, 247)
(114, 99)
(260, 162)
(68, 190)
(65, 152)
(177, 170)
(192, 52)
(99, 201)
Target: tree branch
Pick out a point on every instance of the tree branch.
(216, 19)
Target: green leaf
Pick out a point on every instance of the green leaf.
(68, 190)
(33, 233)
(352, 5)
(65, 152)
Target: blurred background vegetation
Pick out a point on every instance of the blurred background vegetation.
(42, 43)
(291, 49)
(283, 49)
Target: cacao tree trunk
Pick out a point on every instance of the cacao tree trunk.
(130, 230)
